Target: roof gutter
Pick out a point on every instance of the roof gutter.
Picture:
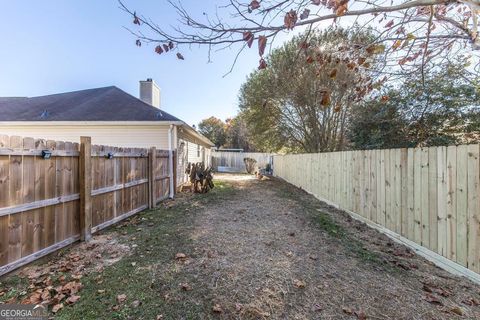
(198, 134)
(90, 123)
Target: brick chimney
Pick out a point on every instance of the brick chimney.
(150, 92)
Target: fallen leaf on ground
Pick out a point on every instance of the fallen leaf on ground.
(72, 299)
(347, 310)
(457, 310)
(317, 307)
(216, 308)
(71, 287)
(471, 302)
(121, 298)
(35, 298)
(57, 307)
(185, 286)
(180, 256)
(299, 283)
(101, 291)
(432, 299)
(361, 315)
(136, 303)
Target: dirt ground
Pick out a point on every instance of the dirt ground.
(274, 251)
(259, 249)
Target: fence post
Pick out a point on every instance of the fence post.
(151, 178)
(85, 173)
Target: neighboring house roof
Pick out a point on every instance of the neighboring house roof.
(100, 104)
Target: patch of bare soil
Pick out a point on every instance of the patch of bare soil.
(271, 251)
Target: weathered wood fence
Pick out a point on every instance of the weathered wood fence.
(430, 196)
(49, 203)
(233, 161)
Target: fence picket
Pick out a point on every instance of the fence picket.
(430, 195)
(42, 200)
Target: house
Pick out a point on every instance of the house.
(110, 117)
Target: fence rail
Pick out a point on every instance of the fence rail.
(430, 196)
(49, 203)
(233, 161)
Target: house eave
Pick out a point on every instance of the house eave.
(90, 123)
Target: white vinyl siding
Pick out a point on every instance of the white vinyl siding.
(191, 148)
(129, 136)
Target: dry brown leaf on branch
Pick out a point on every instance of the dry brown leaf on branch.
(180, 56)
(389, 24)
(262, 43)
(325, 98)
(138, 43)
(248, 37)
(333, 73)
(262, 65)
(342, 7)
(290, 19)
(254, 4)
(397, 44)
(305, 14)
(158, 49)
(375, 49)
(135, 19)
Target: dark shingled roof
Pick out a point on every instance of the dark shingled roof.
(101, 104)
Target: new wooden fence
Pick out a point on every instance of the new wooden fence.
(47, 204)
(233, 161)
(430, 196)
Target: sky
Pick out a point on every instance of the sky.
(54, 46)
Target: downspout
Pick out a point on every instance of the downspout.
(170, 161)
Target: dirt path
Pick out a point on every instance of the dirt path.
(273, 251)
(251, 249)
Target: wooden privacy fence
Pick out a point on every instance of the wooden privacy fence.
(233, 161)
(430, 196)
(49, 203)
